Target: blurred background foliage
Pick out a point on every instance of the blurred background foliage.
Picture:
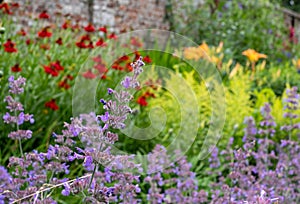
(240, 24)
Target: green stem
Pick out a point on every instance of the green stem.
(20, 143)
(290, 132)
(92, 175)
(21, 150)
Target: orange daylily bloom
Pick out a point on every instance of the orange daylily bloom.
(253, 56)
(196, 52)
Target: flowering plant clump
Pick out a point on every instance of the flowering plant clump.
(16, 115)
(175, 184)
(35, 175)
(48, 157)
(261, 165)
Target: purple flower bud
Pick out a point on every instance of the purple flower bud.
(103, 101)
(110, 91)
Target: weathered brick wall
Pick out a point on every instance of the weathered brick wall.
(120, 15)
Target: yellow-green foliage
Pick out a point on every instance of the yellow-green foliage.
(238, 105)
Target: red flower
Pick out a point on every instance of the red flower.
(44, 15)
(137, 55)
(142, 101)
(81, 44)
(129, 67)
(90, 45)
(147, 59)
(16, 68)
(59, 41)
(103, 29)
(117, 66)
(101, 68)
(64, 84)
(45, 46)
(51, 70)
(5, 7)
(103, 76)
(89, 75)
(97, 59)
(57, 65)
(135, 42)
(10, 46)
(70, 77)
(44, 33)
(124, 58)
(22, 32)
(28, 42)
(52, 105)
(149, 94)
(54, 68)
(101, 43)
(16, 5)
(66, 25)
(113, 36)
(89, 28)
(76, 27)
(85, 37)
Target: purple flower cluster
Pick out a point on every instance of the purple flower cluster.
(87, 140)
(262, 166)
(132, 82)
(268, 123)
(16, 115)
(176, 184)
(291, 105)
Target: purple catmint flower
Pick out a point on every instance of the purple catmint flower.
(7, 118)
(66, 190)
(291, 105)
(103, 101)
(16, 86)
(105, 117)
(131, 82)
(13, 105)
(126, 82)
(20, 134)
(4, 176)
(250, 130)
(214, 161)
(292, 100)
(110, 91)
(268, 122)
(88, 162)
(21, 118)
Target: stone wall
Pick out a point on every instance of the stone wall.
(119, 15)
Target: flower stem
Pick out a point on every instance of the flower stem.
(20, 143)
(92, 176)
(21, 149)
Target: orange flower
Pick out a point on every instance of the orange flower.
(196, 52)
(253, 56)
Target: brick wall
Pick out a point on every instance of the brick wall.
(120, 15)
